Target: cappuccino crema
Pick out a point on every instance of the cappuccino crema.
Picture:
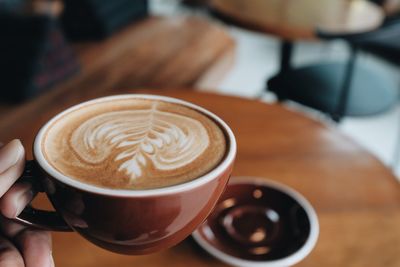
(134, 143)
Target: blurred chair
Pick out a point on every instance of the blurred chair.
(362, 91)
(346, 89)
(386, 45)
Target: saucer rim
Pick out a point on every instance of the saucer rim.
(289, 260)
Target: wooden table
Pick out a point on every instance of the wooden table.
(356, 197)
(345, 91)
(157, 52)
(298, 19)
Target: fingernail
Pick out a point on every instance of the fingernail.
(10, 154)
(52, 264)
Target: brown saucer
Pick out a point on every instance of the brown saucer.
(258, 222)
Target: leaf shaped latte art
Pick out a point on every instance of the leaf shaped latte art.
(143, 137)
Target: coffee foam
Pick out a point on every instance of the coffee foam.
(134, 143)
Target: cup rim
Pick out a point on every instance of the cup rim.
(289, 260)
(211, 175)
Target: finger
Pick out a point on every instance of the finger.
(8, 177)
(16, 198)
(35, 246)
(10, 228)
(9, 254)
(10, 154)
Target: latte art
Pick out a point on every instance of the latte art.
(166, 140)
(134, 143)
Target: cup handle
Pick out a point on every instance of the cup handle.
(36, 218)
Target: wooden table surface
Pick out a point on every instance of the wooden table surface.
(157, 52)
(299, 19)
(356, 197)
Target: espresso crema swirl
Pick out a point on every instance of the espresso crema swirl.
(134, 143)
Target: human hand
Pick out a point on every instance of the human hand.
(20, 246)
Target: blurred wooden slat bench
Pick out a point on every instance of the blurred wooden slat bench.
(154, 53)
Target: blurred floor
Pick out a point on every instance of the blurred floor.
(257, 59)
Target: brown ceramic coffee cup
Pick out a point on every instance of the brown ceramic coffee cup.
(127, 221)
